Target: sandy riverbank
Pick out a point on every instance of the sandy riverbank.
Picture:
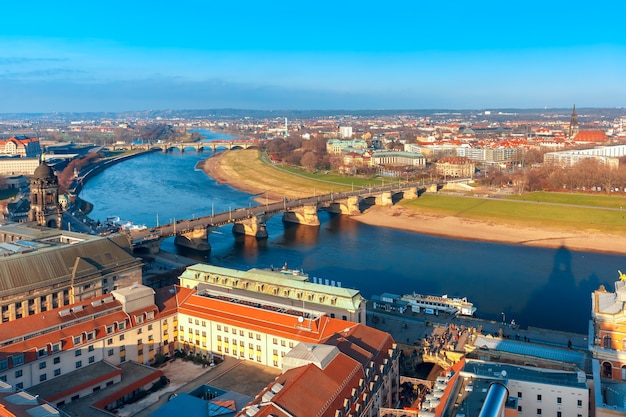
(402, 218)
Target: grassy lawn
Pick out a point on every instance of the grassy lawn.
(592, 200)
(523, 212)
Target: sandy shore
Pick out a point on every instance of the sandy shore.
(402, 218)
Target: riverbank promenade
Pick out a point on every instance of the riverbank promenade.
(411, 328)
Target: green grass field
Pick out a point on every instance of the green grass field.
(555, 214)
(590, 200)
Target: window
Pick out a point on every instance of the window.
(77, 352)
(110, 352)
(92, 359)
(19, 385)
(18, 373)
(110, 341)
(78, 339)
(121, 337)
(241, 333)
(79, 364)
(190, 320)
(539, 397)
(149, 327)
(42, 365)
(558, 414)
(56, 360)
(17, 360)
(122, 348)
(559, 400)
(43, 377)
(56, 347)
(121, 325)
(3, 378)
(219, 327)
(203, 323)
(139, 330)
(282, 343)
(539, 411)
(275, 341)
(580, 403)
(91, 348)
(42, 352)
(57, 372)
(110, 329)
(5, 364)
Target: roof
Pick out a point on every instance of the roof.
(528, 349)
(526, 374)
(54, 264)
(43, 171)
(257, 317)
(343, 298)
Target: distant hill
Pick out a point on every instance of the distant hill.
(307, 114)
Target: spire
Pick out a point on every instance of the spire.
(573, 124)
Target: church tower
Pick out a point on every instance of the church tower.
(573, 125)
(44, 197)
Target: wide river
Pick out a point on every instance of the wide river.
(549, 288)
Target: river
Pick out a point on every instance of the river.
(549, 288)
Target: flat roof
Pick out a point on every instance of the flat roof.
(505, 372)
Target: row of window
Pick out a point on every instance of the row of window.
(559, 400)
(540, 412)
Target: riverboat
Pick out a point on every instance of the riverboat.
(116, 223)
(432, 304)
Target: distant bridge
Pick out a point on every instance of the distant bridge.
(196, 146)
(193, 233)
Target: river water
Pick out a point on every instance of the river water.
(549, 288)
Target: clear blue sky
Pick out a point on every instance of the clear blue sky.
(341, 54)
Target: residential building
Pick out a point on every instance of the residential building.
(21, 146)
(455, 167)
(336, 146)
(605, 155)
(345, 132)
(18, 166)
(398, 158)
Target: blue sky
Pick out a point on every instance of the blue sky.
(136, 55)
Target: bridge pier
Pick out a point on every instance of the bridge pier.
(348, 206)
(196, 239)
(306, 215)
(384, 199)
(410, 194)
(254, 226)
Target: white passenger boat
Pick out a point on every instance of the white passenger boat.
(433, 304)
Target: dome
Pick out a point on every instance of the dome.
(43, 171)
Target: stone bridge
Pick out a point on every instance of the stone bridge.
(196, 146)
(250, 221)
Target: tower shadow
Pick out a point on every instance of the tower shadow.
(567, 303)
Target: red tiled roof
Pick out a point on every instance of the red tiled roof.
(273, 322)
(591, 136)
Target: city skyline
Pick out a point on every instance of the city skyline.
(192, 55)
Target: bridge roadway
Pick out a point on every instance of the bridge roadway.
(197, 228)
